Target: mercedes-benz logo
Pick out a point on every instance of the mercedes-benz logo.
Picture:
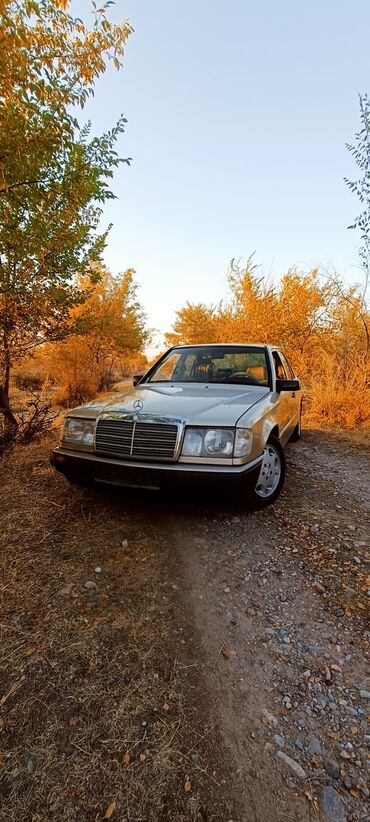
(138, 405)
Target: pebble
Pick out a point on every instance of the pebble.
(30, 766)
(226, 590)
(270, 719)
(124, 543)
(314, 529)
(332, 804)
(332, 768)
(365, 694)
(314, 747)
(298, 744)
(319, 587)
(345, 755)
(280, 741)
(287, 703)
(97, 569)
(90, 585)
(67, 589)
(292, 764)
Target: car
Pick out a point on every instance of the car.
(219, 413)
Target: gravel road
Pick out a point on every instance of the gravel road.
(253, 690)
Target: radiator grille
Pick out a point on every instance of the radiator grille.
(142, 440)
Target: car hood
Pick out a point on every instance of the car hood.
(200, 404)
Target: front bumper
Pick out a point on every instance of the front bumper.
(88, 466)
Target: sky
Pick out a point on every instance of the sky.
(238, 114)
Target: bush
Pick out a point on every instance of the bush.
(338, 393)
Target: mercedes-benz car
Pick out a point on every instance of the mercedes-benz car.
(213, 413)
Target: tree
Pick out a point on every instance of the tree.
(361, 153)
(111, 328)
(361, 187)
(54, 178)
(194, 324)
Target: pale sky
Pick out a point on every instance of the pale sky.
(238, 114)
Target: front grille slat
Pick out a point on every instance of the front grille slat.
(125, 438)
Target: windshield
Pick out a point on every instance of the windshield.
(230, 364)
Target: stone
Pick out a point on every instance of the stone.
(66, 590)
(344, 754)
(314, 529)
(332, 805)
(90, 585)
(280, 741)
(269, 719)
(365, 694)
(298, 744)
(124, 543)
(292, 765)
(332, 768)
(97, 569)
(314, 747)
(319, 587)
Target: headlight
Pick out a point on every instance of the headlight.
(243, 442)
(78, 431)
(219, 441)
(208, 442)
(193, 442)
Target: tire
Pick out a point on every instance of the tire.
(297, 433)
(265, 492)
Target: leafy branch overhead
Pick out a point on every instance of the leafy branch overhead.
(361, 187)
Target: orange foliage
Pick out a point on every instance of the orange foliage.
(322, 327)
(109, 331)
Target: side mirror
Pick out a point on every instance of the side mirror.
(136, 379)
(287, 385)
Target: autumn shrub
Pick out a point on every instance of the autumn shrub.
(32, 373)
(339, 393)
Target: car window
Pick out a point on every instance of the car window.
(229, 364)
(279, 367)
(287, 365)
(165, 372)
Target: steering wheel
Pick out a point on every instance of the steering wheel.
(242, 378)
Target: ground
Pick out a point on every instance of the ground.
(161, 658)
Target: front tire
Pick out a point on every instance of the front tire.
(272, 474)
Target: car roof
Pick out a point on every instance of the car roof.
(226, 345)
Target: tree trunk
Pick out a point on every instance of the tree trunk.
(5, 407)
(4, 389)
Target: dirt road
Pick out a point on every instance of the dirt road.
(186, 659)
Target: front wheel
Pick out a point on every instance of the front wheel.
(271, 476)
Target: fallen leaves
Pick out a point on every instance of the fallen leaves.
(225, 653)
(110, 810)
(187, 786)
(126, 758)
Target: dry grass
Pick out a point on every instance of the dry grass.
(97, 702)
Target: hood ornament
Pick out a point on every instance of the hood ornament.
(138, 405)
